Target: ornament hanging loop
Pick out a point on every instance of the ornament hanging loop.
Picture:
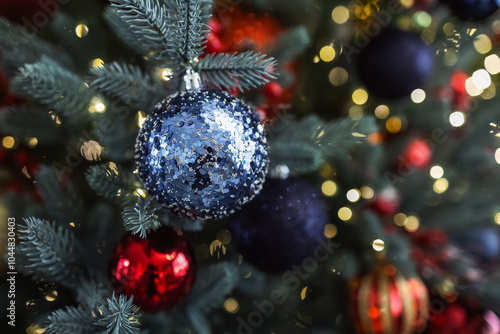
(192, 80)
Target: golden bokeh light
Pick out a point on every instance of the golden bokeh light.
(81, 30)
(412, 224)
(353, 195)
(91, 150)
(382, 111)
(340, 14)
(497, 156)
(440, 185)
(329, 188)
(330, 230)
(141, 118)
(393, 125)
(98, 62)
(407, 3)
(450, 57)
(338, 76)
(51, 295)
(489, 92)
(32, 142)
(378, 245)
(345, 213)
(482, 44)
(360, 96)
(327, 53)
(8, 142)
(400, 219)
(367, 192)
(497, 218)
(471, 88)
(492, 64)
(231, 305)
(356, 112)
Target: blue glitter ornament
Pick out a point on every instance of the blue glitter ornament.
(474, 10)
(395, 63)
(282, 226)
(202, 153)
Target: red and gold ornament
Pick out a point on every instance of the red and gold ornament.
(158, 271)
(385, 302)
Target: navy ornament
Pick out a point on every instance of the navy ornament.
(474, 10)
(282, 226)
(395, 63)
(202, 153)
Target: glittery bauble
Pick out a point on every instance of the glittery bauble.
(395, 63)
(158, 271)
(282, 226)
(384, 301)
(203, 154)
(474, 10)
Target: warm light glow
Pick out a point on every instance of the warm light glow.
(400, 219)
(340, 14)
(457, 119)
(367, 192)
(353, 195)
(449, 29)
(378, 245)
(440, 185)
(450, 57)
(91, 150)
(345, 213)
(497, 156)
(437, 172)
(482, 43)
(97, 105)
(489, 92)
(98, 62)
(412, 224)
(338, 76)
(8, 142)
(141, 118)
(481, 79)
(303, 293)
(422, 18)
(330, 230)
(471, 88)
(497, 218)
(327, 53)
(167, 74)
(356, 112)
(140, 192)
(382, 112)
(51, 295)
(329, 188)
(418, 96)
(492, 64)
(32, 142)
(81, 30)
(360, 96)
(231, 305)
(393, 124)
(407, 3)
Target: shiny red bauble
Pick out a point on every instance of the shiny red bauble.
(418, 154)
(158, 271)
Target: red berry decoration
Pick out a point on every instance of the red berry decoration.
(385, 301)
(158, 271)
(418, 154)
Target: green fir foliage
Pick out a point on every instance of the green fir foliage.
(75, 320)
(110, 183)
(139, 217)
(120, 316)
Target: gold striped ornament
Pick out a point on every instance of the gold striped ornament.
(385, 302)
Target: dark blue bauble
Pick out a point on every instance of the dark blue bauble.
(202, 153)
(395, 63)
(474, 10)
(482, 243)
(281, 226)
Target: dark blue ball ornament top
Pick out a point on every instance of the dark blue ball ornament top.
(474, 10)
(395, 63)
(282, 226)
(202, 153)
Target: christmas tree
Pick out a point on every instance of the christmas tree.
(191, 166)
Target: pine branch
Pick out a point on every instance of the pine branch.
(122, 30)
(215, 283)
(29, 122)
(119, 316)
(149, 21)
(61, 203)
(291, 43)
(110, 183)
(300, 158)
(139, 217)
(20, 46)
(128, 83)
(92, 293)
(166, 218)
(243, 70)
(50, 252)
(52, 85)
(187, 22)
(77, 320)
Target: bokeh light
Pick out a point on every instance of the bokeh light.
(353, 195)
(338, 76)
(482, 44)
(345, 213)
(382, 112)
(330, 231)
(437, 172)
(418, 96)
(360, 96)
(81, 30)
(340, 14)
(492, 64)
(378, 245)
(440, 185)
(457, 119)
(327, 53)
(393, 125)
(329, 188)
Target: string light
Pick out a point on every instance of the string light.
(340, 14)
(492, 64)
(497, 156)
(382, 112)
(400, 219)
(8, 142)
(51, 296)
(412, 224)
(360, 96)
(345, 213)
(32, 142)
(471, 88)
(497, 218)
(440, 185)
(329, 188)
(81, 30)
(457, 119)
(97, 105)
(437, 172)
(231, 305)
(418, 96)
(353, 195)
(378, 245)
(327, 53)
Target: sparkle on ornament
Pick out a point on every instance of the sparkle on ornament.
(360, 96)
(327, 53)
(353, 195)
(340, 14)
(412, 224)
(8, 142)
(367, 192)
(482, 43)
(418, 95)
(378, 245)
(330, 231)
(492, 64)
(393, 124)
(457, 119)
(141, 118)
(437, 172)
(382, 112)
(81, 30)
(481, 79)
(497, 156)
(400, 219)
(231, 305)
(440, 185)
(345, 213)
(329, 188)
(338, 76)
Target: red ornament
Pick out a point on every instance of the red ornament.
(461, 99)
(273, 90)
(418, 154)
(455, 319)
(387, 202)
(34, 14)
(384, 301)
(158, 271)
